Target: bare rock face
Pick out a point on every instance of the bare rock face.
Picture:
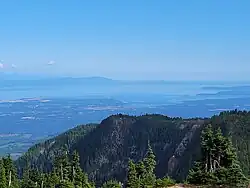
(174, 160)
(172, 164)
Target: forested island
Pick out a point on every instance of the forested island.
(139, 151)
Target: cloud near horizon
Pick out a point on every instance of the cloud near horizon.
(51, 62)
(1, 64)
(13, 66)
(4, 66)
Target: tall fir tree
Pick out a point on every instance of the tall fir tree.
(51, 180)
(132, 179)
(76, 174)
(35, 176)
(3, 182)
(141, 173)
(219, 164)
(86, 183)
(10, 172)
(207, 147)
(26, 182)
(62, 166)
(150, 164)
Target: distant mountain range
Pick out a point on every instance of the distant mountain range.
(11, 76)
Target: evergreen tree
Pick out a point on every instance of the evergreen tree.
(26, 182)
(236, 178)
(141, 173)
(219, 163)
(150, 164)
(62, 166)
(42, 180)
(132, 180)
(207, 147)
(76, 174)
(10, 172)
(85, 181)
(51, 180)
(35, 176)
(3, 183)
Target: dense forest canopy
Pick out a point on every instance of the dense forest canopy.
(218, 166)
(105, 150)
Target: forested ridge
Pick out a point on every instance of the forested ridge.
(218, 166)
(43, 154)
(106, 149)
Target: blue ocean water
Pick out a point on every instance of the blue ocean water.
(59, 104)
(40, 108)
(10, 90)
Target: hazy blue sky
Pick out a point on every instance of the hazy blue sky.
(127, 39)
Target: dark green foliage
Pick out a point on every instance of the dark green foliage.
(219, 165)
(112, 184)
(51, 180)
(236, 178)
(105, 149)
(236, 124)
(86, 183)
(35, 176)
(62, 166)
(65, 174)
(198, 177)
(10, 172)
(77, 176)
(132, 180)
(150, 164)
(141, 173)
(3, 182)
(29, 178)
(164, 182)
(43, 155)
(65, 184)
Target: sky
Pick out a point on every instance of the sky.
(132, 39)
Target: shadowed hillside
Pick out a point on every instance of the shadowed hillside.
(106, 148)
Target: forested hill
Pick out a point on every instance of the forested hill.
(43, 154)
(106, 148)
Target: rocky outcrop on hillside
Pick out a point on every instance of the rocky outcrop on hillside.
(106, 148)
